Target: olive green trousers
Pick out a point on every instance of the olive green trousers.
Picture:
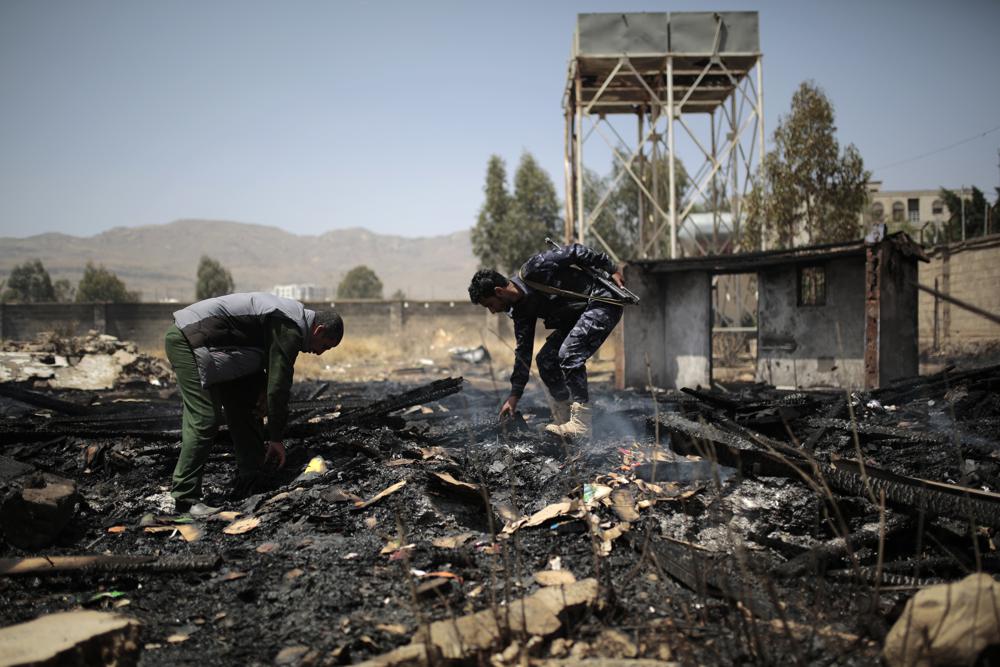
(204, 411)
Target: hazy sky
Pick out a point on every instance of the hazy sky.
(318, 115)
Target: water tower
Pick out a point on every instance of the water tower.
(692, 82)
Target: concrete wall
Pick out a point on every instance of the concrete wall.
(145, 323)
(642, 331)
(812, 346)
(672, 327)
(970, 272)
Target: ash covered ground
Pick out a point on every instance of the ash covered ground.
(745, 525)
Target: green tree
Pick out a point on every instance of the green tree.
(29, 283)
(398, 295)
(973, 210)
(213, 279)
(623, 203)
(100, 284)
(360, 283)
(534, 214)
(606, 225)
(486, 241)
(807, 185)
(64, 290)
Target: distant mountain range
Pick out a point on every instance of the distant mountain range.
(160, 261)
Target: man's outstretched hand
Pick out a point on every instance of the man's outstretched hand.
(274, 456)
(508, 408)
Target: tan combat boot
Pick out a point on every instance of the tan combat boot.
(578, 425)
(560, 413)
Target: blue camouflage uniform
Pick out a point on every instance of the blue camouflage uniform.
(579, 325)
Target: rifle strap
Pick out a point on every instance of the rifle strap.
(549, 289)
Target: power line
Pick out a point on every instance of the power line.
(939, 150)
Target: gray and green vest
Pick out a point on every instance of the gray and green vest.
(229, 334)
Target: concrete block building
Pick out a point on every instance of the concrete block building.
(835, 315)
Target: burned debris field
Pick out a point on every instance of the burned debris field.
(738, 525)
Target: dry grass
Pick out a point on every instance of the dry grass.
(373, 356)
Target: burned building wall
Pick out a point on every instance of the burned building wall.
(642, 328)
(970, 272)
(807, 344)
(671, 328)
(898, 353)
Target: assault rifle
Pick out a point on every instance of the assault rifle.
(627, 296)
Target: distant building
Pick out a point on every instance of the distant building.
(909, 209)
(300, 292)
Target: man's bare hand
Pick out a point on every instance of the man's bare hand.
(274, 456)
(618, 278)
(508, 407)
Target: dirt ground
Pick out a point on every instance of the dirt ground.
(699, 559)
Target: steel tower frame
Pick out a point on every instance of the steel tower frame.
(665, 70)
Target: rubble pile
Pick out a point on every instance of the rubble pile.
(91, 362)
(409, 526)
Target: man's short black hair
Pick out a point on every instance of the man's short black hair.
(484, 283)
(333, 325)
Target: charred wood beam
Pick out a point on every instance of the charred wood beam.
(318, 391)
(170, 416)
(429, 392)
(715, 574)
(957, 502)
(41, 435)
(118, 564)
(865, 428)
(42, 401)
(836, 410)
(871, 575)
(818, 558)
(910, 493)
(732, 435)
(910, 388)
(727, 404)
(729, 449)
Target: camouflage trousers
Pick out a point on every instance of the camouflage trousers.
(562, 361)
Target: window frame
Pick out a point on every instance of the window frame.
(801, 271)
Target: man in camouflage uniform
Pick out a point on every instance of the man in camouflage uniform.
(580, 311)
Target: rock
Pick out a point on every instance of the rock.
(34, 516)
(71, 638)
(93, 372)
(291, 655)
(615, 644)
(21, 366)
(539, 614)
(554, 577)
(947, 624)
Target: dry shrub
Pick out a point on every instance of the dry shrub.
(731, 349)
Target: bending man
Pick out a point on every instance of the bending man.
(581, 312)
(225, 352)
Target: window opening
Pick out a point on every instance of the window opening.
(812, 286)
